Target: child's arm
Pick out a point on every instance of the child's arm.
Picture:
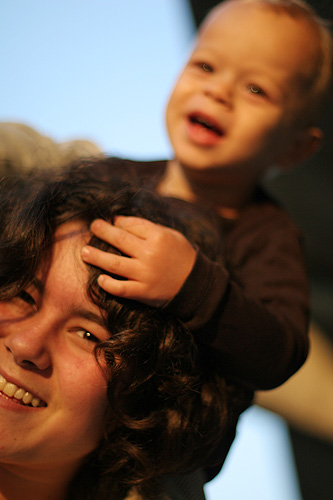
(254, 310)
(156, 263)
(256, 318)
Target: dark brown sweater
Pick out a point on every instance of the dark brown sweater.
(251, 309)
(254, 309)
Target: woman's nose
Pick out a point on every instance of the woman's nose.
(29, 346)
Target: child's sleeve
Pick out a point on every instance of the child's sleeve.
(255, 309)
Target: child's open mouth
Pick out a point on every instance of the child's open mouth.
(203, 130)
(206, 123)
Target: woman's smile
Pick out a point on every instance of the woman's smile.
(50, 379)
(19, 395)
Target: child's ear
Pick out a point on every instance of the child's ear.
(305, 145)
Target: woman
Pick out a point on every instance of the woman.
(99, 397)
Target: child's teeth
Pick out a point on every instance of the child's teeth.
(3, 382)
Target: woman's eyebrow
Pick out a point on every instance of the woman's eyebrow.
(77, 311)
(38, 284)
(89, 315)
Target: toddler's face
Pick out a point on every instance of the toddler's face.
(236, 102)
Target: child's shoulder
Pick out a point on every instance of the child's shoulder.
(147, 172)
(263, 219)
(265, 209)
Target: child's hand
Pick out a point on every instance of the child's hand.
(159, 259)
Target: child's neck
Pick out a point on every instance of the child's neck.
(226, 197)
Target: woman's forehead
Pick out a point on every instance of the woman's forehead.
(72, 229)
(64, 266)
(63, 275)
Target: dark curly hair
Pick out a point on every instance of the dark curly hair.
(170, 405)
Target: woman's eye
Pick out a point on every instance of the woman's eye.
(26, 297)
(206, 67)
(254, 89)
(85, 334)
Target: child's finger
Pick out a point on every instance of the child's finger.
(114, 286)
(110, 262)
(137, 226)
(126, 242)
(126, 290)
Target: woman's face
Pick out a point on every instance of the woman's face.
(47, 339)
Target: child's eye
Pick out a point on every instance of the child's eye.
(206, 67)
(254, 89)
(84, 334)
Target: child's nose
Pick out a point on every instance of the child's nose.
(29, 347)
(220, 89)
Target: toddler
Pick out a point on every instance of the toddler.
(248, 99)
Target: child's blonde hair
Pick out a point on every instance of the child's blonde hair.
(321, 83)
